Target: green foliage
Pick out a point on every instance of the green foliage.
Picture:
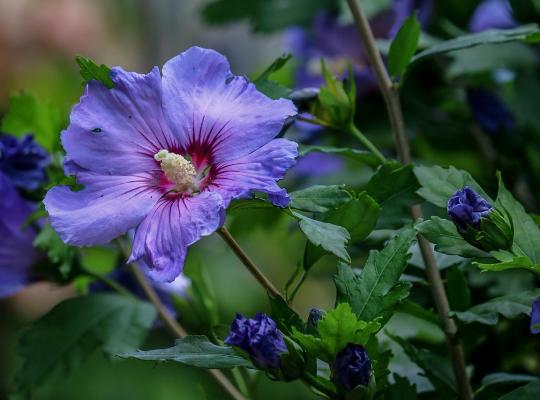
(57, 251)
(436, 368)
(285, 317)
(330, 237)
(403, 47)
(91, 71)
(265, 16)
(68, 335)
(444, 234)
(376, 291)
(509, 306)
(336, 329)
(396, 198)
(457, 289)
(27, 115)
(495, 385)
(194, 350)
(271, 88)
(526, 232)
(507, 260)
(363, 156)
(438, 184)
(319, 198)
(528, 33)
(527, 392)
(401, 389)
(359, 216)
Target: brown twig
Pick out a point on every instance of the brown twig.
(391, 97)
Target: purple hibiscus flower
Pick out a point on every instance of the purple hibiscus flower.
(535, 317)
(259, 337)
(17, 254)
(23, 161)
(352, 367)
(166, 155)
(492, 14)
(466, 207)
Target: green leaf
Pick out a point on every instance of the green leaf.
(285, 317)
(496, 384)
(403, 46)
(265, 16)
(358, 216)
(27, 115)
(401, 389)
(509, 306)
(444, 234)
(319, 198)
(458, 291)
(395, 199)
(91, 71)
(376, 291)
(330, 237)
(337, 101)
(57, 251)
(528, 392)
(526, 232)
(336, 329)
(439, 184)
(271, 88)
(508, 260)
(363, 156)
(436, 368)
(527, 33)
(68, 335)
(196, 351)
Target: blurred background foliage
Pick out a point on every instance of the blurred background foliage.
(448, 116)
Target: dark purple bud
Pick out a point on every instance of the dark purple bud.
(23, 161)
(489, 111)
(259, 337)
(315, 315)
(535, 316)
(352, 367)
(466, 208)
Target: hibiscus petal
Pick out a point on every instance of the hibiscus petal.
(258, 171)
(162, 239)
(17, 255)
(108, 207)
(117, 131)
(209, 108)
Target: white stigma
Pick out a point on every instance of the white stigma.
(177, 170)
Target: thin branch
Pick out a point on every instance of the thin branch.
(391, 97)
(250, 265)
(172, 325)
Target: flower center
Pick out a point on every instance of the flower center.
(178, 170)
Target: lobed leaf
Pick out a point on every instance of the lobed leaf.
(89, 71)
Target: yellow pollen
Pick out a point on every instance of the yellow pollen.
(177, 169)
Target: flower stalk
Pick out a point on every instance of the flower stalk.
(390, 94)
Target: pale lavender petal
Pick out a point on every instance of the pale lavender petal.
(117, 131)
(106, 208)
(209, 108)
(17, 255)
(175, 223)
(258, 171)
(492, 14)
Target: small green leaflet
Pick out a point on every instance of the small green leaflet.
(271, 88)
(68, 335)
(438, 184)
(336, 329)
(528, 392)
(196, 351)
(446, 238)
(57, 251)
(376, 291)
(91, 71)
(27, 115)
(498, 383)
(507, 260)
(509, 306)
(330, 237)
(528, 33)
(403, 47)
(319, 198)
(359, 216)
